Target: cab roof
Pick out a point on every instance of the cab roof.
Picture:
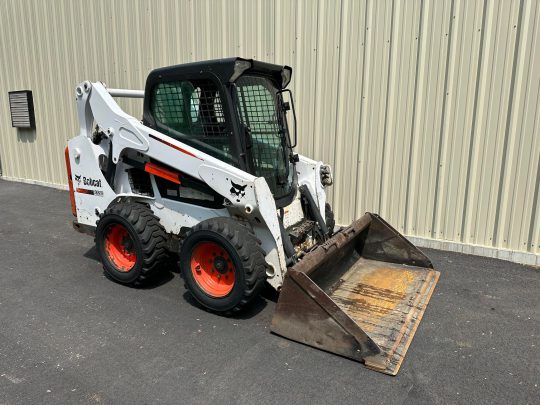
(223, 69)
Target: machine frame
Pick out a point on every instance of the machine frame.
(255, 204)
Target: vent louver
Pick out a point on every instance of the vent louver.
(21, 106)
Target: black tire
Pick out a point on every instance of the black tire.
(329, 219)
(147, 240)
(245, 252)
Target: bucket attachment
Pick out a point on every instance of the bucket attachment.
(361, 295)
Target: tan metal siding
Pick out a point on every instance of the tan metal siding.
(429, 111)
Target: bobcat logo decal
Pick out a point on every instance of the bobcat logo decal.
(238, 191)
(87, 181)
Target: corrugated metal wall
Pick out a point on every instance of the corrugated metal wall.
(429, 111)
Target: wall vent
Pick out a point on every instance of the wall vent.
(21, 106)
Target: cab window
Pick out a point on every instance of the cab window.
(191, 111)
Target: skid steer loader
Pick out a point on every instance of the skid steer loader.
(210, 175)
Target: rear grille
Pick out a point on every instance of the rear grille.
(140, 182)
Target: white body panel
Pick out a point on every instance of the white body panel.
(93, 195)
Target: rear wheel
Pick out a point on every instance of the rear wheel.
(131, 243)
(222, 264)
(120, 248)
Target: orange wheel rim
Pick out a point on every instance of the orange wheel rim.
(119, 248)
(212, 269)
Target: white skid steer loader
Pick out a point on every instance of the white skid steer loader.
(210, 175)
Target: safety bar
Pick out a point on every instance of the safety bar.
(126, 93)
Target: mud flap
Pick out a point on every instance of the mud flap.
(361, 295)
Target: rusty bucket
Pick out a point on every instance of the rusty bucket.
(361, 295)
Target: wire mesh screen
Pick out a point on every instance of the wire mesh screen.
(257, 98)
(192, 112)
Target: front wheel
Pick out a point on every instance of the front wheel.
(222, 264)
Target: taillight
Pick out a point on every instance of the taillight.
(70, 183)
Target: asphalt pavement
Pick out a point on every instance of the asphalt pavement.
(69, 335)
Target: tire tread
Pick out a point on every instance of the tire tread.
(249, 250)
(150, 232)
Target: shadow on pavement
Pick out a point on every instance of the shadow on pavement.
(253, 309)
